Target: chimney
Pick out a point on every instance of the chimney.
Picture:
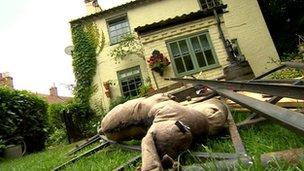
(53, 91)
(7, 80)
(92, 6)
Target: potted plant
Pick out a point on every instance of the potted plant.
(14, 149)
(157, 62)
(107, 85)
(145, 89)
(108, 93)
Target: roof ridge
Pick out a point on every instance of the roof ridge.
(125, 5)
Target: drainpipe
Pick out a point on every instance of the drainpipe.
(222, 37)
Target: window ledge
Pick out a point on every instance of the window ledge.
(216, 66)
(113, 44)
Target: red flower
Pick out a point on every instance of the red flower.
(158, 60)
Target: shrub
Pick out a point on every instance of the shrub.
(54, 118)
(23, 114)
(288, 73)
(2, 145)
(79, 119)
(71, 120)
(57, 136)
(81, 115)
(57, 133)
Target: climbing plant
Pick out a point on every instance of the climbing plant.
(88, 43)
(128, 45)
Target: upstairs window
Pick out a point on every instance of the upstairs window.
(193, 54)
(208, 4)
(118, 28)
(130, 81)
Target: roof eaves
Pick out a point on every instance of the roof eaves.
(178, 20)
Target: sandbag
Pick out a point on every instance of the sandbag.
(167, 137)
(171, 110)
(206, 117)
(163, 138)
(216, 113)
(130, 120)
(167, 126)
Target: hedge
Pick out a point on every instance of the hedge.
(23, 114)
(54, 118)
(77, 120)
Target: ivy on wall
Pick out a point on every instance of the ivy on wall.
(129, 44)
(88, 43)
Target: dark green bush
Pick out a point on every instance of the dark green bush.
(54, 118)
(56, 137)
(2, 145)
(23, 114)
(83, 116)
(72, 120)
(57, 131)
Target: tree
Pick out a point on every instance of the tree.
(285, 19)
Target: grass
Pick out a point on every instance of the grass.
(261, 138)
(106, 159)
(258, 139)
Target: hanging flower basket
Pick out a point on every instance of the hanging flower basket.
(157, 62)
(106, 85)
(159, 69)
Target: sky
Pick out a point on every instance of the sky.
(33, 35)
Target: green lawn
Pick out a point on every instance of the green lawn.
(106, 159)
(258, 139)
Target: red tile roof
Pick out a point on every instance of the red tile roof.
(51, 99)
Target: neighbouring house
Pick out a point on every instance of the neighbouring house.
(53, 97)
(195, 35)
(6, 80)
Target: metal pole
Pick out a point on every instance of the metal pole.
(285, 117)
(94, 150)
(294, 65)
(269, 72)
(128, 163)
(235, 136)
(281, 90)
(284, 64)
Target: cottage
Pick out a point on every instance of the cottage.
(196, 36)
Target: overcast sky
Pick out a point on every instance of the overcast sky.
(33, 35)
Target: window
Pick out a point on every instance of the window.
(130, 81)
(207, 4)
(117, 28)
(192, 54)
